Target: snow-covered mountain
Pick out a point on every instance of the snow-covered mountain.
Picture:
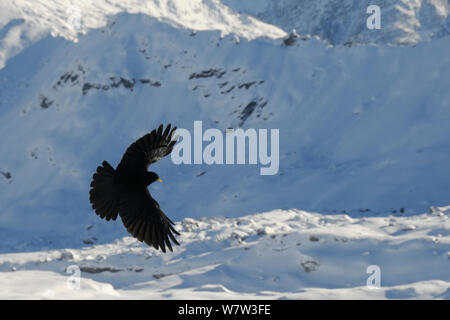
(403, 22)
(23, 22)
(363, 129)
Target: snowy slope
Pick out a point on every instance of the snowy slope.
(403, 22)
(289, 254)
(357, 127)
(23, 22)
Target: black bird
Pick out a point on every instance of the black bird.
(124, 191)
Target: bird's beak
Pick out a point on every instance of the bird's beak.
(159, 179)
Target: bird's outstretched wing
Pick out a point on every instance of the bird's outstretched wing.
(148, 149)
(145, 221)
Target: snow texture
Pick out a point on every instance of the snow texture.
(282, 254)
(403, 22)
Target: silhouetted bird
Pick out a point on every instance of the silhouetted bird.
(124, 191)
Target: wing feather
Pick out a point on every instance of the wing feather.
(148, 149)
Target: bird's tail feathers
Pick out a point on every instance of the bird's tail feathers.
(102, 193)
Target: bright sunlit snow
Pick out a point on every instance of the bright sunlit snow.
(278, 254)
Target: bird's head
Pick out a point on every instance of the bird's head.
(152, 177)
